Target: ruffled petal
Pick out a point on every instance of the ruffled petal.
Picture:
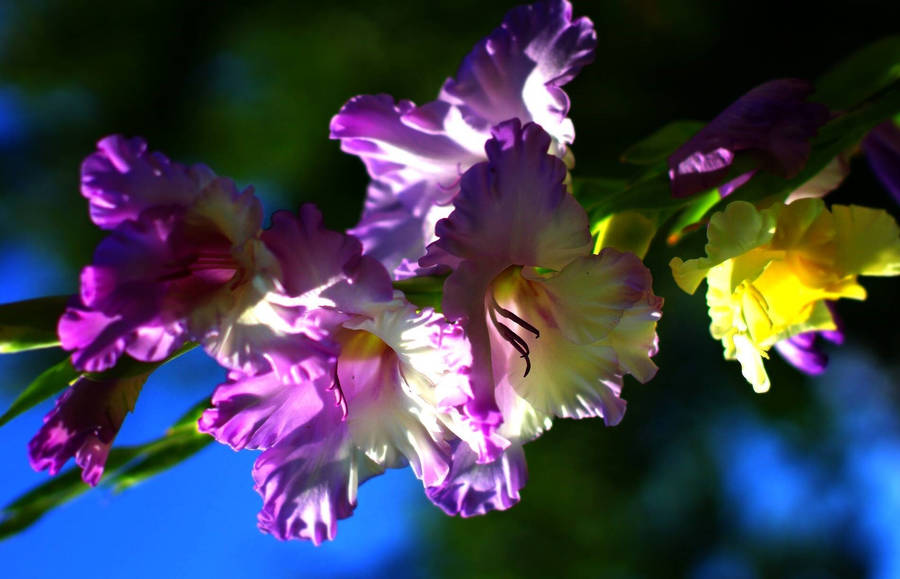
(569, 380)
(309, 481)
(772, 124)
(222, 275)
(517, 71)
(155, 343)
(122, 179)
(393, 235)
(761, 311)
(226, 210)
(415, 156)
(738, 229)
(867, 241)
(773, 286)
(170, 274)
(882, 148)
(473, 489)
(97, 340)
(515, 208)
(406, 146)
(122, 304)
(320, 266)
(260, 411)
(83, 424)
(434, 356)
(564, 341)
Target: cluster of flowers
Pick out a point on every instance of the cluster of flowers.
(335, 376)
(332, 373)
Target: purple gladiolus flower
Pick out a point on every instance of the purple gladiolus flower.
(184, 260)
(771, 125)
(416, 155)
(391, 378)
(553, 328)
(882, 148)
(83, 424)
(368, 382)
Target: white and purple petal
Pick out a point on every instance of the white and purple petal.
(309, 481)
(258, 411)
(473, 489)
(322, 268)
(514, 209)
(518, 69)
(415, 155)
(418, 152)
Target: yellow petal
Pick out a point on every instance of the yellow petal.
(738, 229)
(868, 241)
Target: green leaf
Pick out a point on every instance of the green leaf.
(182, 440)
(860, 75)
(658, 146)
(50, 382)
(693, 213)
(30, 324)
(178, 445)
(594, 191)
(650, 195)
(424, 291)
(191, 416)
(34, 504)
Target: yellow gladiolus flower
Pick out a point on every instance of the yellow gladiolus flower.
(769, 272)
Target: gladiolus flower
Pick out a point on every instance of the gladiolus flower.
(771, 272)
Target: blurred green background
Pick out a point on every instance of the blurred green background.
(703, 478)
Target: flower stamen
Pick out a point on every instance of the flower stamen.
(510, 336)
(339, 398)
